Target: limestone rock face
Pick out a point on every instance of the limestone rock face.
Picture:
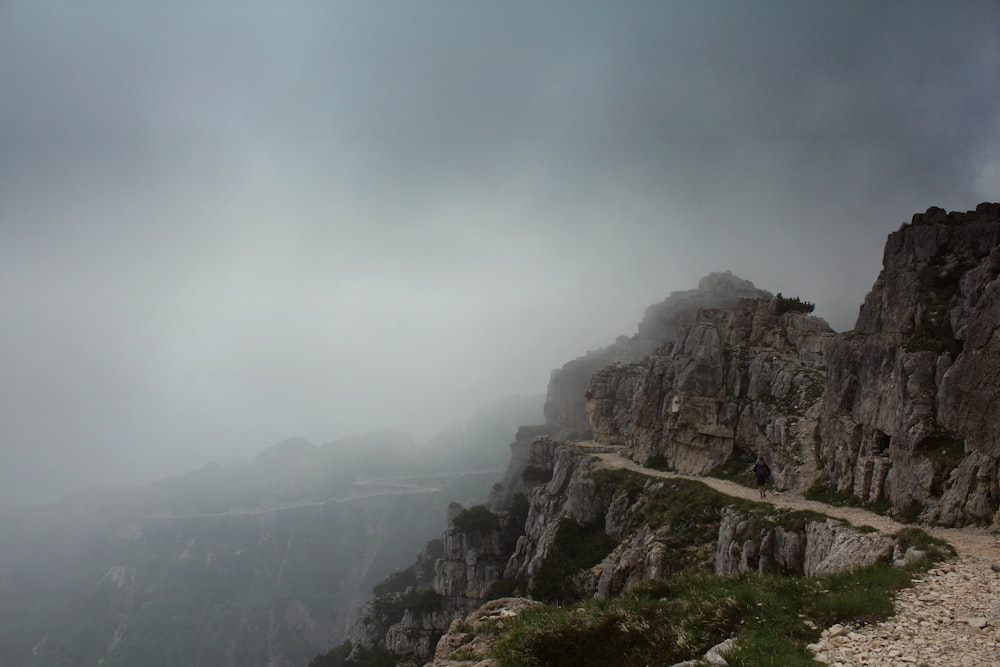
(467, 643)
(524, 453)
(817, 547)
(572, 493)
(903, 409)
(469, 565)
(912, 393)
(639, 557)
(749, 377)
(565, 410)
(415, 637)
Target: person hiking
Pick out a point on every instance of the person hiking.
(763, 473)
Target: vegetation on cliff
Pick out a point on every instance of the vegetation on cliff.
(662, 621)
(792, 304)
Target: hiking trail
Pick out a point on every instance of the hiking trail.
(950, 617)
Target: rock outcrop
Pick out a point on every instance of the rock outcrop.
(813, 548)
(565, 410)
(750, 378)
(468, 641)
(910, 411)
(901, 410)
(641, 528)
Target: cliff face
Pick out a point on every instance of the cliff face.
(910, 412)
(750, 377)
(901, 410)
(565, 411)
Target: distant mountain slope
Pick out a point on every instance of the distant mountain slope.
(251, 563)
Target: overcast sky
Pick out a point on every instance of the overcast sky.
(225, 223)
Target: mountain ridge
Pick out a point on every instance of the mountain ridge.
(870, 414)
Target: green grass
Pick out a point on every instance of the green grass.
(822, 492)
(659, 462)
(936, 548)
(943, 448)
(773, 618)
(737, 468)
(394, 605)
(663, 621)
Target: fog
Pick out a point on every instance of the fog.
(223, 224)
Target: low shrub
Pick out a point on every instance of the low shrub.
(477, 518)
(339, 656)
(659, 462)
(536, 474)
(573, 548)
(393, 606)
(738, 467)
(397, 582)
(793, 304)
(503, 588)
(936, 548)
(823, 492)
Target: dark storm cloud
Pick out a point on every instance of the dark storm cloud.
(225, 223)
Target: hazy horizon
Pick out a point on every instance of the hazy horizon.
(224, 224)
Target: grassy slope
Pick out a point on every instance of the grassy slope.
(662, 621)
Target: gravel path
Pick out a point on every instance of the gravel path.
(949, 618)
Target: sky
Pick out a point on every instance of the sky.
(226, 223)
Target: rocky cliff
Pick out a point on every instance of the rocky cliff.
(565, 412)
(910, 411)
(750, 378)
(901, 410)
(590, 531)
(896, 413)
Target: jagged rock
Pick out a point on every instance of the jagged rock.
(818, 547)
(466, 639)
(570, 493)
(750, 376)
(469, 565)
(565, 408)
(520, 458)
(637, 559)
(902, 558)
(832, 546)
(835, 630)
(414, 638)
(714, 656)
(911, 393)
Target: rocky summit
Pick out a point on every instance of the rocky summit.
(897, 415)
